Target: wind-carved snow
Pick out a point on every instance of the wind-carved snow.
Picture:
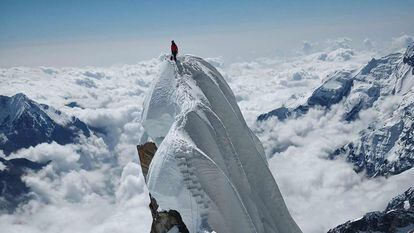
(209, 165)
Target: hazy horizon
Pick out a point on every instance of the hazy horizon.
(100, 33)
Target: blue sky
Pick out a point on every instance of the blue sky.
(29, 26)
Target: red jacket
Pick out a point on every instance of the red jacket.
(174, 48)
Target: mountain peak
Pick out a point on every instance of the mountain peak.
(24, 123)
(192, 115)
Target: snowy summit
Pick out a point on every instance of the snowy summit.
(209, 166)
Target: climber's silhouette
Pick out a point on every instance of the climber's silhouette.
(174, 50)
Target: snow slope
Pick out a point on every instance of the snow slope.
(25, 123)
(209, 165)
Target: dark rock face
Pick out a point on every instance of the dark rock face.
(146, 152)
(162, 221)
(400, 201)
(25, 123)
(281, 114)
(13, 191)
(397, 217)
(329, 93)
(73, 105)
(332, 91)
(409, 56)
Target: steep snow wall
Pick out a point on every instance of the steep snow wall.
(209, 165)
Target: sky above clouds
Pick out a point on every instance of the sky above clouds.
(79, 33)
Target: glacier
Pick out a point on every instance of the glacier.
(209, 165)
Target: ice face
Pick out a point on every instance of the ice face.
(209, 165)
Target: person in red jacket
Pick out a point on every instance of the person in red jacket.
(174, 50)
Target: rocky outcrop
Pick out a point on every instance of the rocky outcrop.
(165, 220)
(146, 152)
(409, 57)
(398, 217)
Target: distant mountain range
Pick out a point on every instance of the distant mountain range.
(386, 146)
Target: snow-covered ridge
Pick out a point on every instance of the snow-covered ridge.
(209, 165)
(25, 123)
(397, 217)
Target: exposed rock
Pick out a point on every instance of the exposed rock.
(409, 57)
(146, 152)
(74, 104)
(162, 221)
(398, 217)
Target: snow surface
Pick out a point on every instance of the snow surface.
(209, 165)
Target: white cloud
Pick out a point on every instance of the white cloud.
(368, 44)
(401, 42)
(340, 43)
(309, 181)
(83, 189)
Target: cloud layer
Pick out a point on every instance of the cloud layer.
(97, 186)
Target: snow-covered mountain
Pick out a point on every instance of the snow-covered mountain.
(332, 91)
(209, 166)
(398, 217)
(25, 123)
(384, 88)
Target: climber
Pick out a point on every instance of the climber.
(174, 50)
